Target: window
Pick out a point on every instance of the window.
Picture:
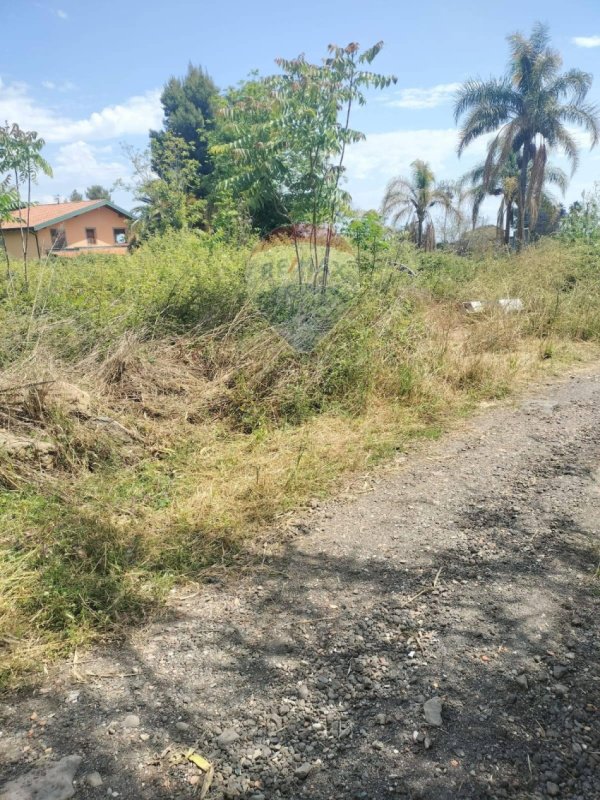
(90, 235)
(120, 235)
(59, 239)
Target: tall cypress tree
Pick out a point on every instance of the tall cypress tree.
(189, 105)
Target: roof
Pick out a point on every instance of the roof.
(41, 216)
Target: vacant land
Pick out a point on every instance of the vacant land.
(465, 573)
(161, 421)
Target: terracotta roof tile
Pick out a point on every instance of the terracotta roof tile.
(44, 215)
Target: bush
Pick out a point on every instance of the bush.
(231, 425)
(171, 284)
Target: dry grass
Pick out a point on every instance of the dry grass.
(231, 430)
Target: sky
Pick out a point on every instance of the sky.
(87, 76)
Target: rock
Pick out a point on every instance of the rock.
(552, 789)
(131, 721)
(115, 429)
(34, 400)
(69, 398)
(94, 779)
(182, 726)
(433, 711)
(27, 449)
(53, 782)
(303, 692)
(561, 690)
(229, 736)
(522, 681)
(558, 670)
(303, 771)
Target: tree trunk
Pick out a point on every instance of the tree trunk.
(419, 231)
(6, 256)
(523, 193)
(507, 223)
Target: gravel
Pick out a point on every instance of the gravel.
(456, 587)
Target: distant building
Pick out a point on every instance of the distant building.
(67, 229)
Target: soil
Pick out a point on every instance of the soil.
(432, 635)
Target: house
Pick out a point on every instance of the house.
(67, 229)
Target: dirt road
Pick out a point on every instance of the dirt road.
(433, 637)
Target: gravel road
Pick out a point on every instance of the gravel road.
(434, 635)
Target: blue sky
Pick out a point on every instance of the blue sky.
(87, 75)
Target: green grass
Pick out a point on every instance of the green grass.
(233, 427)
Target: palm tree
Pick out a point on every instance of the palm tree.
(410, 200)
(501, 179)
(530, 111)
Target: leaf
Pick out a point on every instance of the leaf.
(199, 761)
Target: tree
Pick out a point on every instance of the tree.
(287, 138)
(21, 158)
(77, 197)
(167, 202)
(249, 173)
(530, 111)
(8, 204)
(189, 111)
(368, 234)
(97, 192)
(410, 201)
(582, 222)
(501, 179)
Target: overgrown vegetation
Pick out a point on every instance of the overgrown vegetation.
(216, 426)
(156, 410)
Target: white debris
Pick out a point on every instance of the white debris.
(509, 304)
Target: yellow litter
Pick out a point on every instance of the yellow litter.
(204, 766)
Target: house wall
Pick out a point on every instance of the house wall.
(104, 220)
(14, 248)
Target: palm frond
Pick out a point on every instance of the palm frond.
(585, 116)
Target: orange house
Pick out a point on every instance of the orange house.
(67, 229)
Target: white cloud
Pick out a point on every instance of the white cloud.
(586, 41)
(61, 14)
(83, 163)
(382, 156)
(65, 86)
(423, 98)
(134, 116)
(387, 154)
(79, 164)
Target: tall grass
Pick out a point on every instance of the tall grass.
(231, 427)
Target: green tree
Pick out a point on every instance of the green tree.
(76, 196)
(287, 137)
(249, 173)
(409, 201)
(369, 236)
(97, 192)
(189, 112)
(530, 111)
(8, 204)
(167, 202)
(582, 222)
(501, 179)
(21, 159)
